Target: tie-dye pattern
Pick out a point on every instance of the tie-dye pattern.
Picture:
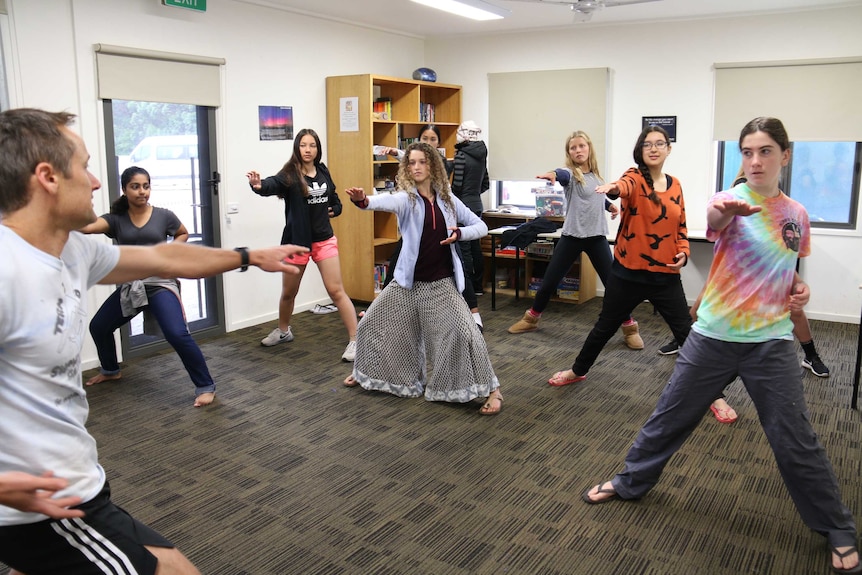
(746, 297)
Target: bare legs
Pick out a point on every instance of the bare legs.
(330, 272)
(289, 289)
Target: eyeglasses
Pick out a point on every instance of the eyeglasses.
(661, 145)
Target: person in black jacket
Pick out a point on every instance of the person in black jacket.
(469, 181)
(310, 200)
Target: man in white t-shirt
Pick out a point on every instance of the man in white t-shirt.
(45, 194)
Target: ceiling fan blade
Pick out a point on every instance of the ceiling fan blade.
(611, 3)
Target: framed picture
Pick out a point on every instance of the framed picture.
(666, 122)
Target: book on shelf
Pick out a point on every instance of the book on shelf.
(380, 272)
(382, 109)
(426, 112)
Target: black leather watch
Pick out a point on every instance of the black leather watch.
(243, 252)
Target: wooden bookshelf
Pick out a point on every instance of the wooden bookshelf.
(367, 238)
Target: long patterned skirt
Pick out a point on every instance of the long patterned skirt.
(401, 325)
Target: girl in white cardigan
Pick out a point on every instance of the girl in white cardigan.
(422, 307)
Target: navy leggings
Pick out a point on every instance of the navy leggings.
(168, 311)
(566, 252)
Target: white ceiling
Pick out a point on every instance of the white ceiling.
(409, 18)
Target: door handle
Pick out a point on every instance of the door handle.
(214, 182)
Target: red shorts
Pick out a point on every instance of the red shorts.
(319, 251)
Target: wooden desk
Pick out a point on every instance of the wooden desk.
(496, 233)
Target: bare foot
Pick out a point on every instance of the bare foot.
(204, 399)
(350, 381)
(101, 377)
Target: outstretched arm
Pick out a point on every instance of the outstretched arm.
(33, 494)
(182, 260)
(100, 226)
(720, 213)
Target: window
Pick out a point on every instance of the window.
(822, 176)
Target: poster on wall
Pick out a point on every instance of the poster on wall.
(666, 122)
(275, 122)
(349, 114)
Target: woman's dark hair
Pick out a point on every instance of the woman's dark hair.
(769, 126)
(638, 155)
(434, 129)
(121, 204)
(292, 169)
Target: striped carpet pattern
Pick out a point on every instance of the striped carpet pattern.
(289, 472)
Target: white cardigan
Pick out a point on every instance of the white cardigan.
(411, 220)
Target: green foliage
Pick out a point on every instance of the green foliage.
(134, 121)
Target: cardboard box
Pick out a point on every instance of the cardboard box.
(567, 294)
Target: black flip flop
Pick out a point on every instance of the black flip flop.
(586, 495)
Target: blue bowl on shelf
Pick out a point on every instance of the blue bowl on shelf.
(425, 74)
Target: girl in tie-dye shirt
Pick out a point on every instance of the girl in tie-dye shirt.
(744, 330)
(746, 294)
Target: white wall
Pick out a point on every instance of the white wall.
(273, 58)
(666, 69)
(279, 58)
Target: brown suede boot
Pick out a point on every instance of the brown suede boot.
(527, 323)
(632, 337)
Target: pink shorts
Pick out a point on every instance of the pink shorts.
(319, 251)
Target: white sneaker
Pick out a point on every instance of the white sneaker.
(349, 353)
(277, 336)
(322, 309)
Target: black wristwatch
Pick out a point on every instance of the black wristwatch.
(243, 252)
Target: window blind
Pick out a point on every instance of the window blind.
(817, 100)
(530, 114)
(154, 76)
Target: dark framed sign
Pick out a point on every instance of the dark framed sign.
(666, 122)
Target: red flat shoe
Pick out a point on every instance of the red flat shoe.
(559, 379)
(722, 415)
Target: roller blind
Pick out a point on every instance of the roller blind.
(530, 114)
(153, 76)
(817, 100)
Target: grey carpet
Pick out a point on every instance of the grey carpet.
(292, 473)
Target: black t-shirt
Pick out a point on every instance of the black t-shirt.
(318, 207)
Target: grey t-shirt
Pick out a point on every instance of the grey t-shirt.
(585, 214)
(161, 225)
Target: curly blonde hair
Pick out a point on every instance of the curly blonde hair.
(439, 181)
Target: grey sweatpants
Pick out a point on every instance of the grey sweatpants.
(773, 379)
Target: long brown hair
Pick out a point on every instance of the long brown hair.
(292, 169)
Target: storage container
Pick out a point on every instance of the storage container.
(549, 201)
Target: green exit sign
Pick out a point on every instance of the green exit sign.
(199, 5)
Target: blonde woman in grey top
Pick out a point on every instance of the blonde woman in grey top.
(585, 229)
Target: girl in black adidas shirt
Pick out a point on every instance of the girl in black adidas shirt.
(310, 200)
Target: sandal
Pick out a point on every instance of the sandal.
(586, 495)
(560, 379)
(855, 569)
(723, 415)
(486, 408)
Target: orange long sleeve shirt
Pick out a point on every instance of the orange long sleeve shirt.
(650, 235)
